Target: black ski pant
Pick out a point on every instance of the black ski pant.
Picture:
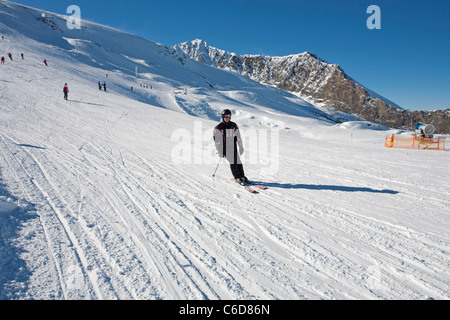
(237, 169)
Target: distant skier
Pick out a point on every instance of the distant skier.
(23, 58)
(10, 56)
(3, 60)
(227, 138)
(99, 86)
(45, 61)
(104, 86)
(66, 92)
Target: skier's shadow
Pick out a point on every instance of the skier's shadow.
(89, 103)
(324, 187)
(30, 146)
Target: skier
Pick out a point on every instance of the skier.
(10, 56)
(99, 86)
(104, 85)
(45, 61)
(227, 138)
(3, 60)
(66, 92)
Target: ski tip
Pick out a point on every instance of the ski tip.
(250, 190)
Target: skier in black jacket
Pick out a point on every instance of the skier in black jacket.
(227, 138)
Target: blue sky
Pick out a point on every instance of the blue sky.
(406, 61)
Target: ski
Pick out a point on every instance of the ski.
(246, 186)
(250, 189)
(259, 186)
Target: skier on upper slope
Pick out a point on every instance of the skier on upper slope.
(66, 92)
(227, 138)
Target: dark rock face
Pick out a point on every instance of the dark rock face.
(309, 76)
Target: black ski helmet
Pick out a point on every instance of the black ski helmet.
(226, 112)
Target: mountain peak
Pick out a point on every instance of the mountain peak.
(200, 42)
(195, 43)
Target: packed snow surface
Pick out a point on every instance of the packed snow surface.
(110, 195)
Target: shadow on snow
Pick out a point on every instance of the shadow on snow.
(325, 187)
(14, 274)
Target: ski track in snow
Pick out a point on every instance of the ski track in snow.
(117, 219)
(138, 229)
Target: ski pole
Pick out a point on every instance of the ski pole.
(214, 174)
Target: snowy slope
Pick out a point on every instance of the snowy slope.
(97, 202)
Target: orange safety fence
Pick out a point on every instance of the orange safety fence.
(414, 142)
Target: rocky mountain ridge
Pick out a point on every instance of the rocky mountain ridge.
(320, 82)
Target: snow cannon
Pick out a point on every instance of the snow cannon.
(425, 130)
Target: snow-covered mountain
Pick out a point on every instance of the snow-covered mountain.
(304, 73)
(110, 195)
(317, 81)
